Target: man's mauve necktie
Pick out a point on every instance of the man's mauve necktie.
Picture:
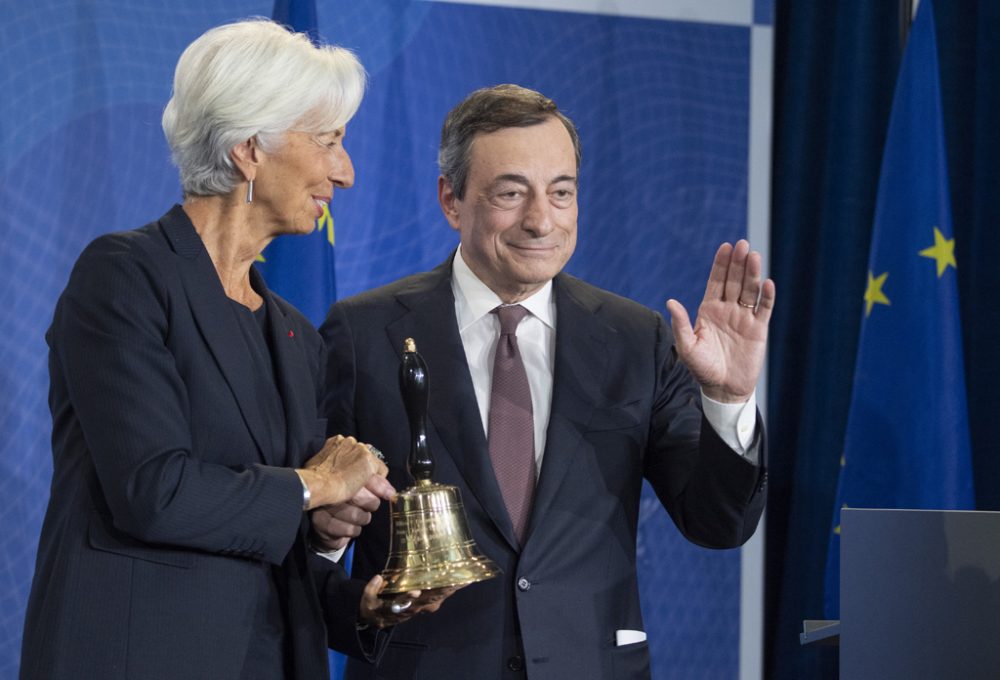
(512, 429)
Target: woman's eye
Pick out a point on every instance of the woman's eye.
(327, 143)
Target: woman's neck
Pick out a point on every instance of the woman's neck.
(226, 227)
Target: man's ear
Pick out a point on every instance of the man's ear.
(448, 201)
(246, 156)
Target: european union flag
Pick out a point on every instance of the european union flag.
(907, 443)
(301, 268)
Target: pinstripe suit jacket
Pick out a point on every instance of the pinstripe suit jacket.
(169, 505)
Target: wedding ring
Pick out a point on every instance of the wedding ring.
(378, 454)
(743, 304)
(399, 607)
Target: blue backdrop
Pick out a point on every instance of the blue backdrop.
(663, 110)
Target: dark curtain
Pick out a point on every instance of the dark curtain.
(835, 69)
(970, 83)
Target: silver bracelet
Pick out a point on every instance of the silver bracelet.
(306, 494)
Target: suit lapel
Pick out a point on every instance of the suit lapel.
(215, 319)
(452, 408)
(580, 371)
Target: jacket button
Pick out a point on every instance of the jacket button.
(523, 584)
(515, 663)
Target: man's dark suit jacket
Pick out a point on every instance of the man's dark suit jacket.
(169, 511)
(623, 409)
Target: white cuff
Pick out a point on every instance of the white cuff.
(734, 423)
(333, 555)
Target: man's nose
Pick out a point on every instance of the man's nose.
(538, 215)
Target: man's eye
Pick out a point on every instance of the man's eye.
(507, 199)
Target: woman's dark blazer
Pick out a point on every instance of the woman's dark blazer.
(170, 506)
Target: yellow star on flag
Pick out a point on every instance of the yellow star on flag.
(943, 251)
(326, 221)
(874, 294)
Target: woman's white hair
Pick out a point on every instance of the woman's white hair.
(248, 79)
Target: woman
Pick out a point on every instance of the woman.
(184, 395)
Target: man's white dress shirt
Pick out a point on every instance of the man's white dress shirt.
(536, 339)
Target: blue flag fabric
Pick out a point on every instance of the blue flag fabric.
(907, 441)
(301, 268)
(300, 15)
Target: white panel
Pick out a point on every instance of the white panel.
(759, 232)
(739, 12)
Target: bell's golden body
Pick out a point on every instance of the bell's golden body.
(430, 545)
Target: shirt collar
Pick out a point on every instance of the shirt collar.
(474, 299)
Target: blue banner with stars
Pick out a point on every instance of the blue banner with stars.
(907, 442)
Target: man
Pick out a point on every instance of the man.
(612, 400)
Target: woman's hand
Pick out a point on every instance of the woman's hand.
(335, 525)
(341, 469)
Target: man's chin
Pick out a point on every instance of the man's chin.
(534, 279)
(538, 271)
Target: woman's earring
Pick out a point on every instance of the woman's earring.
(250, 191)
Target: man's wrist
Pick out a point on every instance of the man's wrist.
(723, 397)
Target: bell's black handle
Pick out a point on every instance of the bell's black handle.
(413, 385)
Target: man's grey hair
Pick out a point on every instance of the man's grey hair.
(488, 110)
(253, 79)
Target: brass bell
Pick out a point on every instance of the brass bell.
(429, 545)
